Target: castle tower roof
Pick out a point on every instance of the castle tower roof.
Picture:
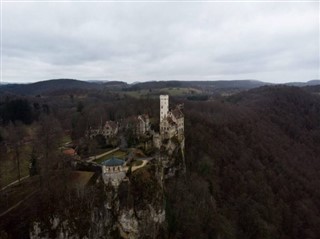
(113, 162)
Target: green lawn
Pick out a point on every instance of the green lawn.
(8, 164)
(66, 139)
(118, 154)
(173, 91)
(9, 168)
(99, 151)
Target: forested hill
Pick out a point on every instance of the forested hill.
(45, 87)
(309, 83)
(233, 84)
(62, 85)
(253, 167)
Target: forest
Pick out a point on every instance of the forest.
(252, 158)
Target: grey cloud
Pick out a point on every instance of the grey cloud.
(274, 42)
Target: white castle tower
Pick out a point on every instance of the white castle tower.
(164, 107)
(164, 110)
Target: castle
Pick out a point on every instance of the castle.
(171, 121)
(171, 125)
(170, 135)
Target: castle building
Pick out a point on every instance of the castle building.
(164, 107)
(143, 126)
(171, 121)
(113, 171)
(110, 129)
(139, 124)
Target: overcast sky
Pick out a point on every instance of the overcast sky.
(274, 42)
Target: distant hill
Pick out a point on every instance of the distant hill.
(308, 83)
(312, 88)
(4, 83)
(115, 85)
(234, 84)
(49, 86)
(63, 85)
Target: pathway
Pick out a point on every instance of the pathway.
(144, 162)
(15, 182)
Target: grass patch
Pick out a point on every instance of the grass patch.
(9, 167)
(99, 151)
(66, 139)
(173, 91)
(117, 154)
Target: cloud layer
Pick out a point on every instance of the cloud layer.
(275, 42)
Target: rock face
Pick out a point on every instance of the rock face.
(141, 224)
(134, 209)
(141, 209)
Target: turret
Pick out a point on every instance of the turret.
(164, 107)
(164, 110)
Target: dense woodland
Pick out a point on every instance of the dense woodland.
(253, 167)
(253, 158)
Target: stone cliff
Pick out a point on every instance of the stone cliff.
(133, 209)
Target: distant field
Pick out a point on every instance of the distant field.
(173, 91)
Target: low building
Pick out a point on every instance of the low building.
(156, 140)
(113, 171)
(91, 133)
(70, 152)
(140, 125)
(143, 126)
(110, 129)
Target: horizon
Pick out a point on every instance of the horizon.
(137, 82)
(136, 42)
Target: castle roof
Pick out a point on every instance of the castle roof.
(113, 162)
(69, 151)
(177, 113)
(111, 124)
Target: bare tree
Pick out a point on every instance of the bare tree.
(16, 133)
(49, 136)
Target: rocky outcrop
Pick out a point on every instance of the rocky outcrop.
(134, 209)
(140, 224)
